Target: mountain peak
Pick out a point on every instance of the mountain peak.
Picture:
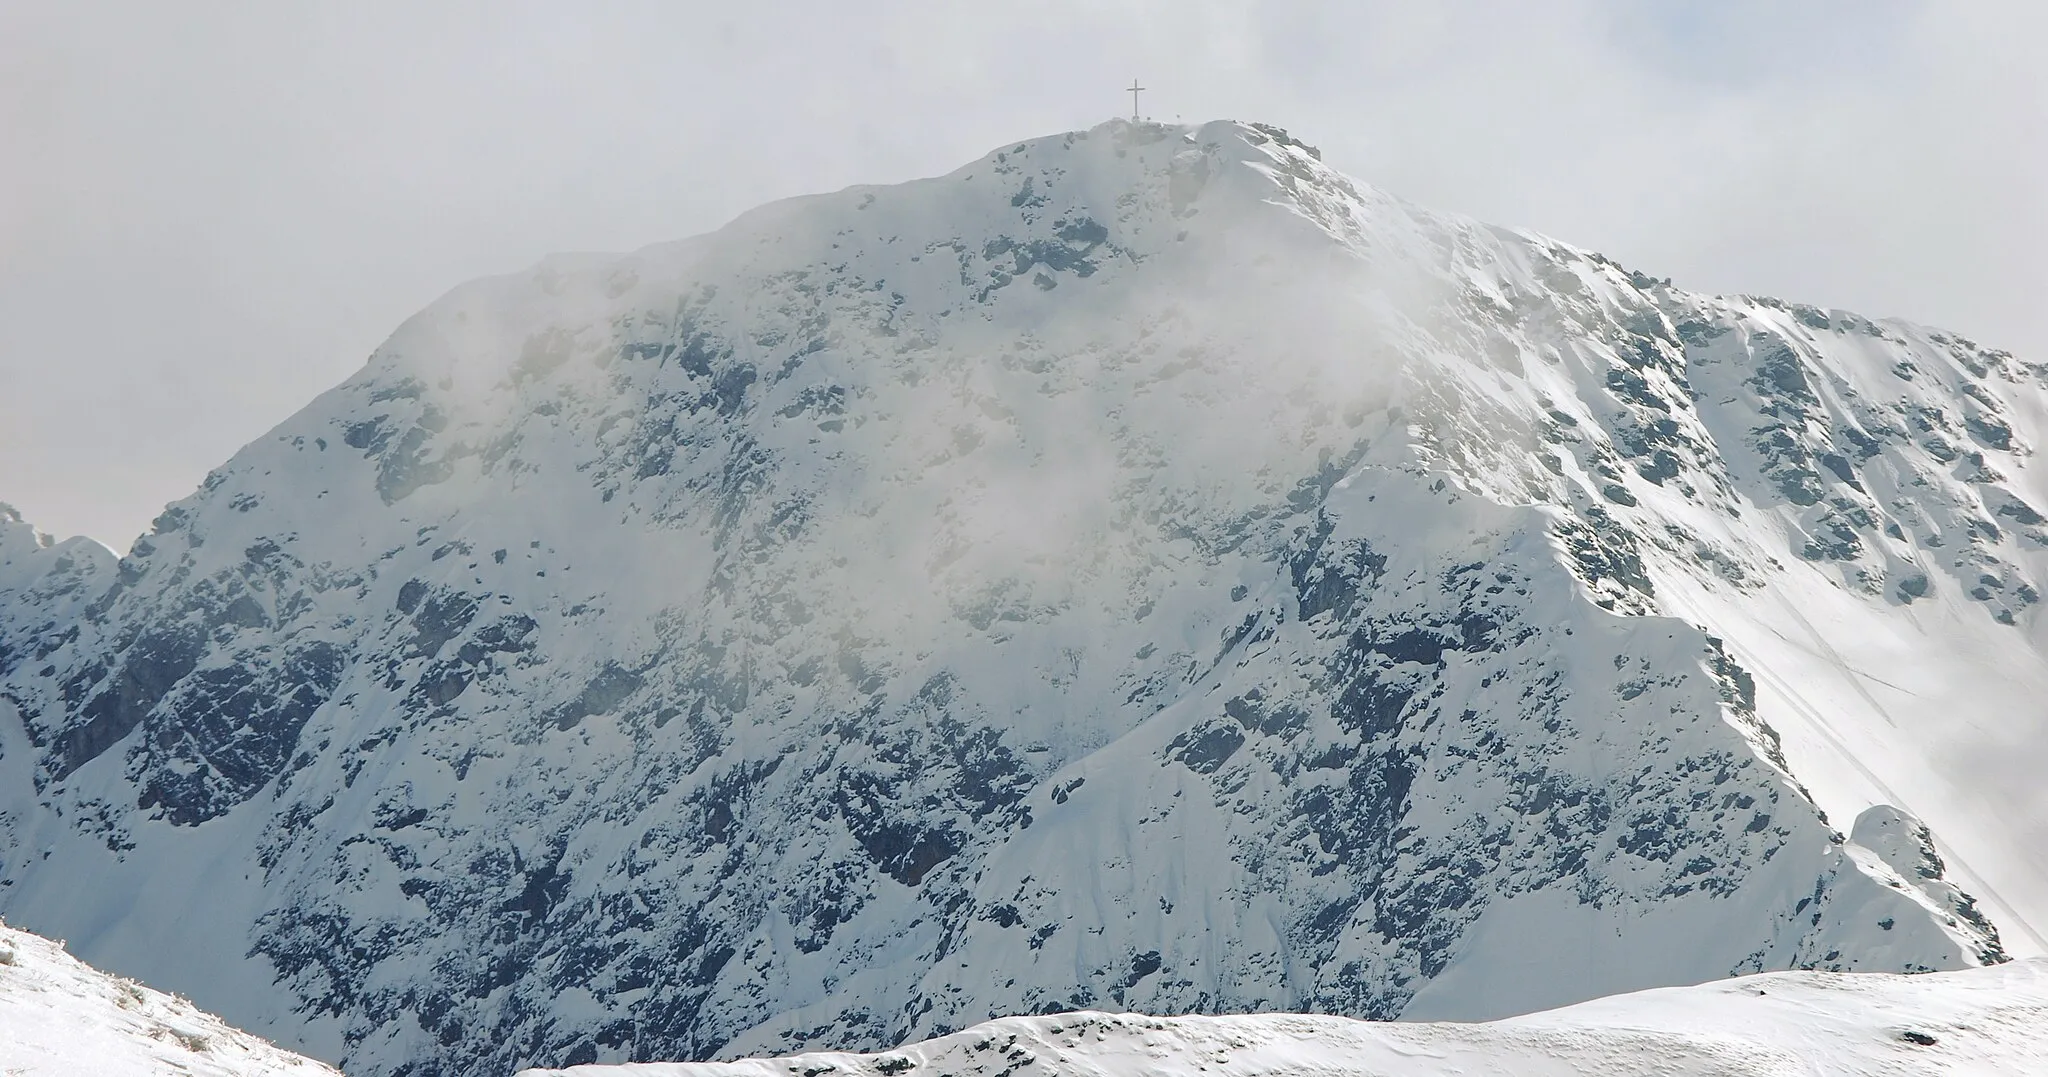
(1143, 563)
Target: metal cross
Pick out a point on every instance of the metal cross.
(1134, 88)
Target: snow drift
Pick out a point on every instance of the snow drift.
(62, 1018)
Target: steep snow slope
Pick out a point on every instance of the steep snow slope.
(1981, 1021)
(62, 1018)
(1143, 568)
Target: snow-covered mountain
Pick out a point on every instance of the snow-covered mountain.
(1991, 1021)
(62, 1018)
(1142, 569)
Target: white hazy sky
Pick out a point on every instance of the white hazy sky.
(211, 212)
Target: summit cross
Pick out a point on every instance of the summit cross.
(1134, 88)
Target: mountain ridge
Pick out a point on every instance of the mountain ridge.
(1979, 1020)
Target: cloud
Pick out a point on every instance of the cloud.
(226, 207)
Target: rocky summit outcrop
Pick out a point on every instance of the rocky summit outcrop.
(1144, 569)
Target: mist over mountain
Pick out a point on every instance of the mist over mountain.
(1143, 569)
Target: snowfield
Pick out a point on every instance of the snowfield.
(1142, 569)
(62, 1018)
(1991, 1022)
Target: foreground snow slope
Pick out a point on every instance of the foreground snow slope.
(1143, 568)
(60, 1017)
(1991, 1022)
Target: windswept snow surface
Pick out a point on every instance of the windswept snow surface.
(1991, 1022)
(60, 1017)
(1144, 568)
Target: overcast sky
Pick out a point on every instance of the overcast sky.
(211, 212)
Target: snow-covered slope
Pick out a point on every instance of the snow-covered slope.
(62, 1018)
(1991, 1022)
(1144, 568)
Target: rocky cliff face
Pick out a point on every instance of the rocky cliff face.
(1143, 569)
